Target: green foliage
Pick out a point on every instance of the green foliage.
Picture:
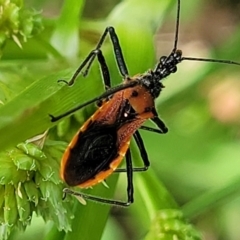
(17, 23)
(169, 224)
(29, 184)
(199, 154)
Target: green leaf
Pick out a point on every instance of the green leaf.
(65, 36)
(28, 113)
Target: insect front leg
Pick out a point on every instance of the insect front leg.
(160, 124)
(103, 96)
(97, 52)
(104, 69)
(162, 129)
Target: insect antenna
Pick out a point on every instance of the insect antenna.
(177, 27)
(210, 60)
(224, 61)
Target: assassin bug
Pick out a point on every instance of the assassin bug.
(100, 145)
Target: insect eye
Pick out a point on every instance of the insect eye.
(178, 53)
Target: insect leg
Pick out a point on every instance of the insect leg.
(111, 201)
(99, 98)
(143, 153)
(104, 70)
(160, 124)
(106, 77)
(105, 74)
(152, 129)
(118, 52)
(157, 121)
(162, 129)
(90, 58)
(129, 178)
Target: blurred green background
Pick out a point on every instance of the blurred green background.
(198, 160)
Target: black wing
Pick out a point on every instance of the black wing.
(93, 152)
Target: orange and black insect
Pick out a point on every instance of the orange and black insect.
(103, 141)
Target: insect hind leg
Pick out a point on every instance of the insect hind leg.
(143, 153)
(83, 196)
